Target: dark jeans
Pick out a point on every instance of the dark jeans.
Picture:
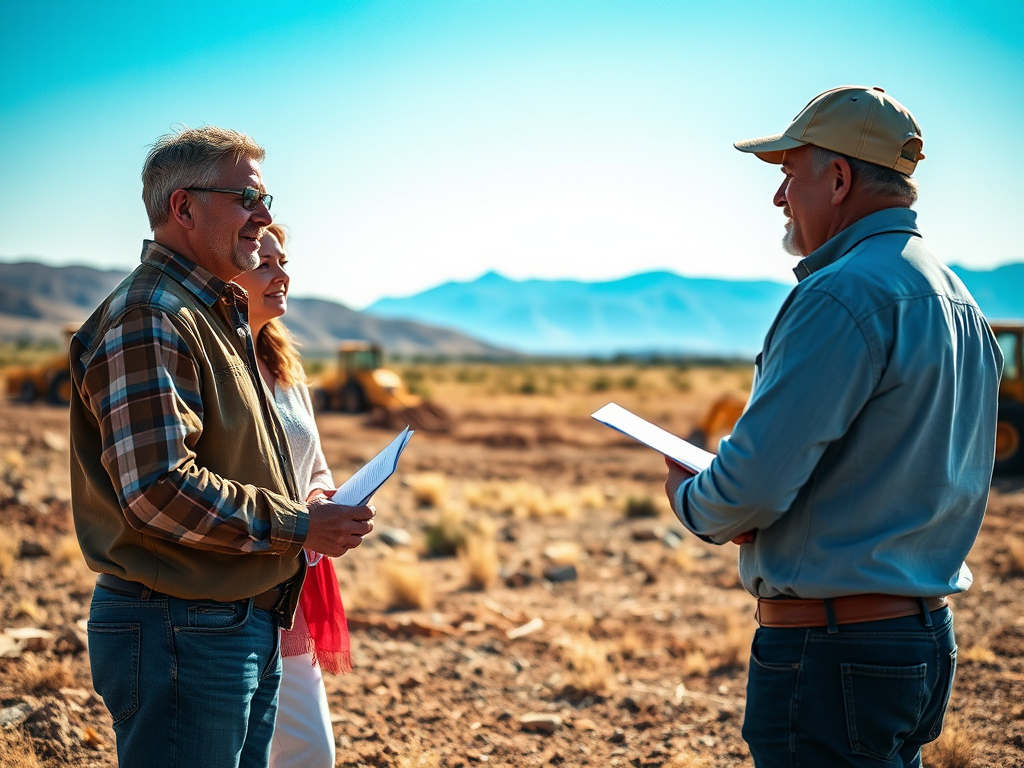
(868, 694)
(188, 683)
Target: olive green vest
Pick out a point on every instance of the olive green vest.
(242, 441)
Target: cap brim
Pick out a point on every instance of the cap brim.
(769, 148)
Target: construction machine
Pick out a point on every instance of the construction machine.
(1010, 422)
(361, 384)
(717, 422)
(49, 380)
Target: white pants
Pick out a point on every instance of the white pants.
(303, 736)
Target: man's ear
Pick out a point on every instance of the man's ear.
(842, 180)
(181, 209)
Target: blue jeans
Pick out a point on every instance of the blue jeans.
(869, 694)
(189, 683)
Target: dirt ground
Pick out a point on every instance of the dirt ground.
(565, 631)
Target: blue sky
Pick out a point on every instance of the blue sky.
(411, 143)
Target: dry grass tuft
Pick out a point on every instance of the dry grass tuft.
(449, 533)
(684, 558)
(404, 585)
(16, 750)
(592, 497)
(564, 505)
(629, 644)
(8, 553)
(641, 506)
(563, 552)
(27, 609)
(1015, 546)
(479, 557)
(976, 654)
(418, 757)
(429, 489)
(590, 672)
(687, 757)
(696, 664)
(527, 502)
(733, 648)
(68, 551)
(40, 677)
(14, 460)
(955, 748)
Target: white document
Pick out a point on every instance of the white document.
(641, 430)
(359, 489)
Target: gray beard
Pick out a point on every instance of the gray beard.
(246, 263)
(787, 241)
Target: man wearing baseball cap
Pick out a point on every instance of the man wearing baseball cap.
(857, 478)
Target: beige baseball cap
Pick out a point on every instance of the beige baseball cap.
(853, 120)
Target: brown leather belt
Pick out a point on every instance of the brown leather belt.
(265, 601)
(849, 609)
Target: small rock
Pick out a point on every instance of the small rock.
(91, 738)
(562, 552)
(412, 681)
(50, 726)
(30, 548)
(15, 713)
(522, 631)
(672, 539)
(647, 533)
(540, 722)
(30, 638)
(618, 736)
(72, 640)
(630, 705)
(520, 578)
(560, 573)
(395, 537)
(585, 724)
(53, 441)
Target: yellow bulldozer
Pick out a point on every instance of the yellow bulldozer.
(1010, 426)
(49, 381)
(361, 384)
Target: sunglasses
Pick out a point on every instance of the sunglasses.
(250, 196)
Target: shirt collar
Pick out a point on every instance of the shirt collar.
(206, 286)
(877, 223)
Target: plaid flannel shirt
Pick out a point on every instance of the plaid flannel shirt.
(145, 373)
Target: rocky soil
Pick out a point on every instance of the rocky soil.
(565, 632)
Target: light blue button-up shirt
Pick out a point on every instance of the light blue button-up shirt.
(864, 458)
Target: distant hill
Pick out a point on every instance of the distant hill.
(652, 312)
(999, 292)
(37, 301)
(655, 312)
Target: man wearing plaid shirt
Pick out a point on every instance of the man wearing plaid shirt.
(183, 498)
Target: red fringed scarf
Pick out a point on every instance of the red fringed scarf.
(328, 638)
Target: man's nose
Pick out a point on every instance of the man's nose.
(780, 195)
(261, 215)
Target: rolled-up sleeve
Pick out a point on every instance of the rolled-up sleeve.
(144, 388)
(815, 377)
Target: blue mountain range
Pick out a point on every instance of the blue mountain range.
(654, 312)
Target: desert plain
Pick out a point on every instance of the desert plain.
(527, 597)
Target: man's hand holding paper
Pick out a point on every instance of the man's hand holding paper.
(336, 528)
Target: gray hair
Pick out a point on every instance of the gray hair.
(189, 158)
(873, 179)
